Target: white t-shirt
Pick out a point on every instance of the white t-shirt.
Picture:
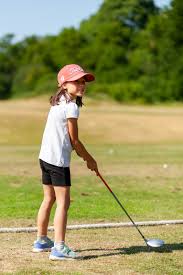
(56, 146)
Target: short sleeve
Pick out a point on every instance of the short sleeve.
(72, 110)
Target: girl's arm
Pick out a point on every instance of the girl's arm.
(79, 147)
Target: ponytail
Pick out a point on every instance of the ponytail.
(79, 101)
(54, 99)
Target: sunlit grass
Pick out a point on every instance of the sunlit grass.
(139, 152)
(150, 198)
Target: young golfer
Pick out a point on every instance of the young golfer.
(59, 139)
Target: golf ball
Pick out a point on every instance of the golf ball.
(165, 165)
(111, 151)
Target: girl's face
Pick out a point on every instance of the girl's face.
(75, 88)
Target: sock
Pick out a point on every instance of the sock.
(59, 245)
(41, 238)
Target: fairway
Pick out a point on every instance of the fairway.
(139, 150)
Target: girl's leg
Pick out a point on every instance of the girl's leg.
(62, 194)
(45, 209)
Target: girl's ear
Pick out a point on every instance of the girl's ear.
(63, 86)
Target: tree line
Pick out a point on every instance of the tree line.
(134, 48)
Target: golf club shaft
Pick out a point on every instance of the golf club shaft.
(121, 206)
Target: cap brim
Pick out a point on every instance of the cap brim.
(88, 77)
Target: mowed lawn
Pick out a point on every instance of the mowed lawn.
(139, 150)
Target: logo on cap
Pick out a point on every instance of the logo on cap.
(75, 70)
(62, 78)
(72, 71)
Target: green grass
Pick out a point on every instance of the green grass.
(147, 190)
(21, 197)
(131, 146)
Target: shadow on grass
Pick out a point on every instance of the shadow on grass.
(167, 248)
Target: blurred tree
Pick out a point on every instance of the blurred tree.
(134, 49)
(175, 23)
(35, 62)
(7, 65)
(110, 34)
(67, 47)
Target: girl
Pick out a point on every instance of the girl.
(59, 139)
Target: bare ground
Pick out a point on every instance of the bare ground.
(103, 251)
(98, 121)
(16, 160)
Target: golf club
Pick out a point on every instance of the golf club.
(149, 242)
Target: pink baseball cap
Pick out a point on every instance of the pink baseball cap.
(73, 72)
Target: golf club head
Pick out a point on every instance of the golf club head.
(155, 242)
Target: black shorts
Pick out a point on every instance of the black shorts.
(55, 175)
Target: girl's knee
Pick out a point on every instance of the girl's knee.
(64, 204)
(49, 201)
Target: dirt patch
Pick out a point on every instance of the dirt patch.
(23, 122)
(103, 251)
(30, 167)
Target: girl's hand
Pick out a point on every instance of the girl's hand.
(92, 165)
